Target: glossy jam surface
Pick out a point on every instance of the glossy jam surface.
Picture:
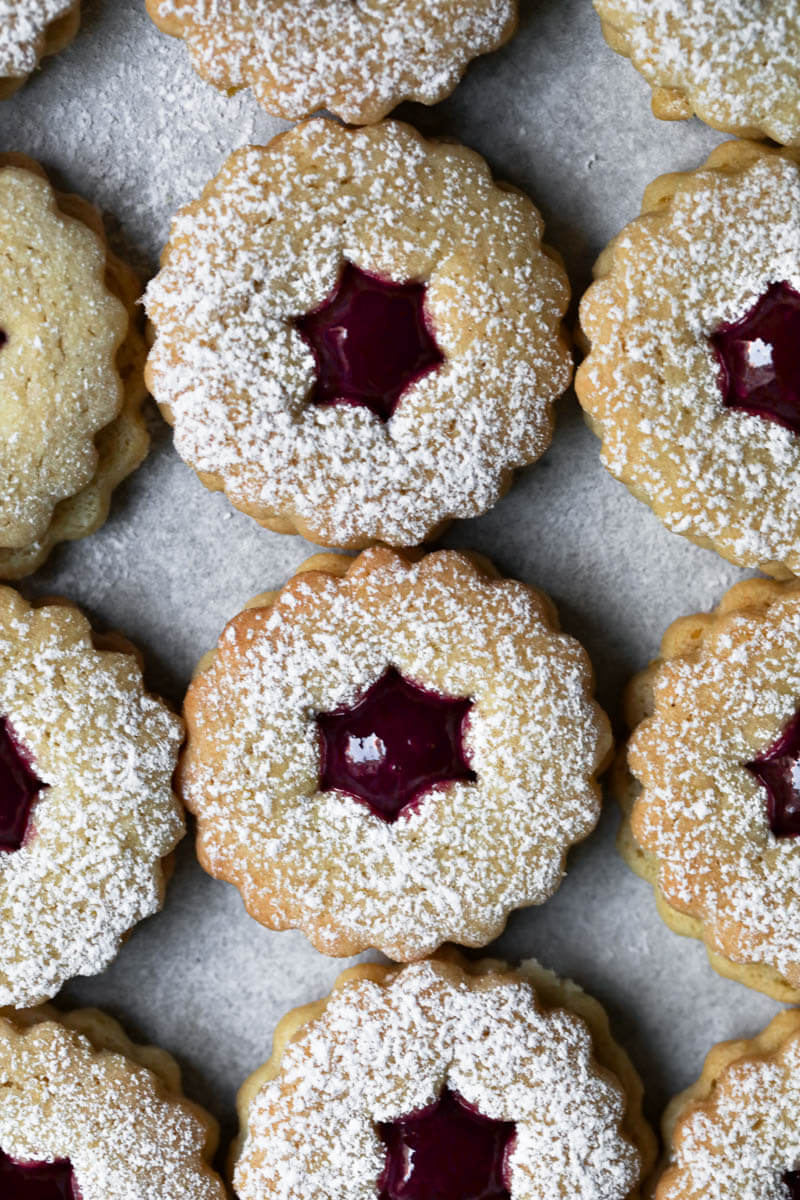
(791, 1180)
(759, 358)
(36, 1181)
(393, 744)
(19, 788)
(778, 769)
(447, 1151)
(370, 340)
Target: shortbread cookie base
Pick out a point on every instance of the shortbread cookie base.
(58, 35)
(684, 636)
(552, 992)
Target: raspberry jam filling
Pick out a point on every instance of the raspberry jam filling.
(370, 340)
(447, 1151)
(37, 1181)
(19, 788)
(393, 744)
(791, 1180)
(778, 769)
(759, 359)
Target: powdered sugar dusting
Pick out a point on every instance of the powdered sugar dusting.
(357, 60)
(702, 812)
(23, 26)
(454, 867)
(126, 1138)
(91, 869)
(380, 1051)
(266, 243)
(651, 382)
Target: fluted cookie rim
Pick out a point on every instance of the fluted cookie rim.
(55, 37)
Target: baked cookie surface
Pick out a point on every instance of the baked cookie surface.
(356, 60)
(734, 65)
(87, 812)
(395, 756)
(87, 1115)
(439, 280)
(709, 785)
(513, 1076)
(71, 369)
(734, 1135)
(30, 30)
(692, 380)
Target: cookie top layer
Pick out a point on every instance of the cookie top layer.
(723, 693)
(708, 248)
(385, 1047)
(457, 860)
(267, 243)
(356, 60)
(90, 863)
(733, 64)
(125, 1130)
(24, 27)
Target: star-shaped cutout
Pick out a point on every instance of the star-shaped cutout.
(19, 788)
(37, 1181)
(393, 745)
(791, 1180)
(778, 769)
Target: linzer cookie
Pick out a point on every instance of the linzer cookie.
(711, 787)
(734, 65)
(438, 1079)
(392, 753)
(87, 812)
(29, 30)
(356, 60)
(71, 369)
(735, 1134)
(693, 376)
(87, 1115)
(358, 334)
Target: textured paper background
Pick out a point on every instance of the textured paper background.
(121, 118)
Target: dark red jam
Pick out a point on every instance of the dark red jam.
(778, 769)
(3, 338)
(395, 743)
(759, 358)
(19, 788)
(370, 340)
(37, 1181)
(791, 1180)
(447, 1151)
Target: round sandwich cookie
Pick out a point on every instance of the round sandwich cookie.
(464, 1082)
(29, 31)
(356, 60)
(692, 379)
(358, 334)
(392, 753)
(71, 369)
(735, 1134)
(87, 1115)
(733, 63)
(87, 811)
(710, 783)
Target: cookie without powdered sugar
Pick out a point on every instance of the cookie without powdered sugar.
(733, 63)
(87, 1115)
(393, 753)
(358, 334)
(710, 783)
(692, 380)
(87, 811)
(464, 1082)
(356, 60)
(29, 31)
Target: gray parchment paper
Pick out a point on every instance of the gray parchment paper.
(120, 117)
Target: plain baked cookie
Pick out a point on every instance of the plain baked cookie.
(392, 753)
(30, 30)
(710, 783)
(359, 334)
(71, 369)
(693, 379)
(356, 60)
(735, 1134)
(447, 1080)
(87, 1115)
(733, 63)
(87, 811)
